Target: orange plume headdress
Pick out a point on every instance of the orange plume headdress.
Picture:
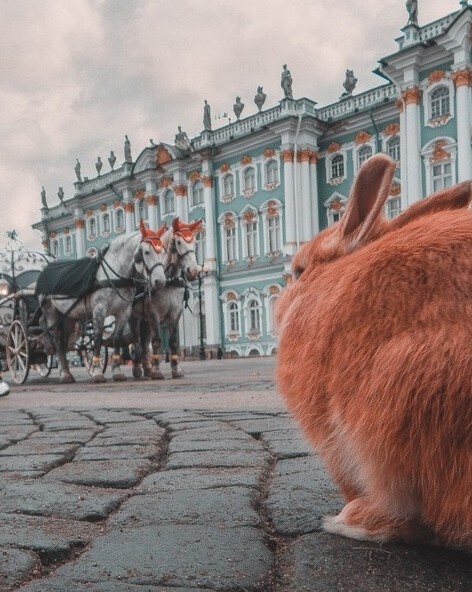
(152, 236)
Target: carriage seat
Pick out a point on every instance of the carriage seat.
(68, 278)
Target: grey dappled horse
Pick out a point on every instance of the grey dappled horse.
(166, 304)
(122, 267)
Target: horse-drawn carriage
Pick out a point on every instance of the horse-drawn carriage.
(64, 306)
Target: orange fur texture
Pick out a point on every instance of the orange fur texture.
(375, 361)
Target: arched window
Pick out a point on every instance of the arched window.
(271, 314)
(251, 236)
(249, 179)
(92, 228)
(230, 243)
(439, 102)
(272, 172)
(119, 219)
(141, 211)
(233, 317)
(106, 226)
(393, 148)
(337, 166)
(200, 248)
(228, 184)
(197, 193)
(274, 234)
(168, 201)
(55, 248)
(68, 245)
(254, 316)
(363, 154)
(441, 175)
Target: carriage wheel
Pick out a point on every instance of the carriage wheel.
(44, 370)
(85, 349)
(17, 352)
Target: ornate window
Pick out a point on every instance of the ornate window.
(91, 228)
(271, 174)
(274, 234)
(394, 207)
(197, 193)
(363, 154)
(440, 102)
(200, 248)
(441, 175)
(233, 317)
(393, 148)
(254, 316)
(168, 202)
(55, 248)
(335, 207)
(249, 181)
(271, 302)
(68, 245)
(141, 211)
(228, 186)
(251, 238)
(337, 166)
(230, 244)
(106, 224)
(119, 220)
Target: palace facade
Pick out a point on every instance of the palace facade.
(268, 182)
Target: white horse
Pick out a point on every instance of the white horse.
(131, 260)
(166, 304)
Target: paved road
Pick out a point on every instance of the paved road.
(103, 498)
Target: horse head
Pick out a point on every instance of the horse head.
(182, 246)
(148, 257)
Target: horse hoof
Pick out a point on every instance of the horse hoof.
(137, 372)
(177, 374)
(119, 377)
(67, 379)
(98, 378)
(154, 374)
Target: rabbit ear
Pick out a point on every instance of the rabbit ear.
(452, 198)
(366, 200)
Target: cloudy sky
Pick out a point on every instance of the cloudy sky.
(77, 75)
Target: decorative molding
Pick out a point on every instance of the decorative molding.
(162, 155)
(165, 181)
(231, 296)
(314, 157)
(304, 155)
(249, 216)
(268, 153)
(287, 155)
(412, 95)
(334, 147)
(225, 167)
(399, 105)
(228, 221)
(53, 234)
(336, 204)
(129, 207)
(246, 159)
(395, 189)
(79, 223)
(274, 290)
(462, 77)
(207, 181)
(103, 207)
(139, 194)
(194, 175)
(89, 213)
(66, 230)
(438, 151)
(117, 204)
(151, 200)
(272, 211)
(362, 137)
(392, 129)
(436, 76)
(180, 190)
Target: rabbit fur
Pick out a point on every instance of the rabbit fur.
(375, 361)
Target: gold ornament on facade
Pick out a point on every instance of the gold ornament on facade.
(207, 181)
(246, 159)
(52, 234)
(231, 296)
(391, 130)
(180, 190)
(362, 138)
(129, 207)
(336, 204)
(304, 155)
(139, 194)
(249, 216)
(89, 212)
(288, 278)
(79, 223)
(399, 105)
(162, 155)
(225, 167)
(436, 76)
(194, 175)
(272, 211)
(268, 153)
(287, 155)
(103, 207)
(274, 290)
(117, 203)
(334, 147)
(462, 77)
(165, 181)
(412, 95)
(66, 230)
(151, 200)
(395, 189)
(314, 156)
(438, 152)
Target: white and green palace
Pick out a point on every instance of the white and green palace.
(269, 181)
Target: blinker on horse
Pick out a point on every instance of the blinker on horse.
(130, 261)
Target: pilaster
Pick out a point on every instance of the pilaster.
(462, 80)
(411, 99)
(291, 234)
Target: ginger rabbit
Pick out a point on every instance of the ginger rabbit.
(375, 361)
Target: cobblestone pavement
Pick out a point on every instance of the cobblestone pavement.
(146, 500)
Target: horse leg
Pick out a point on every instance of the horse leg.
(63, 334)
(117, 373)
(136, 327)
(98, 326)
(54, 322)
(175, 368)
(156, 373)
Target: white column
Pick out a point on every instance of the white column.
(411, 97)
(315, 215)
(403, 157)
(462, 80)
(180, 191)
(305, 210)
(151, 200)
(291, 236)
(128, 206)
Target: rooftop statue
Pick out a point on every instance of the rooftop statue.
(112, 159)
(238, 107)
(43, 198)
(77, 170)
(286, 82)
(349, 84)
(182, 141)
(206, 116)
(412, 7)
(98, 165)
(260, 98)
(127, 149)
(60, 194)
